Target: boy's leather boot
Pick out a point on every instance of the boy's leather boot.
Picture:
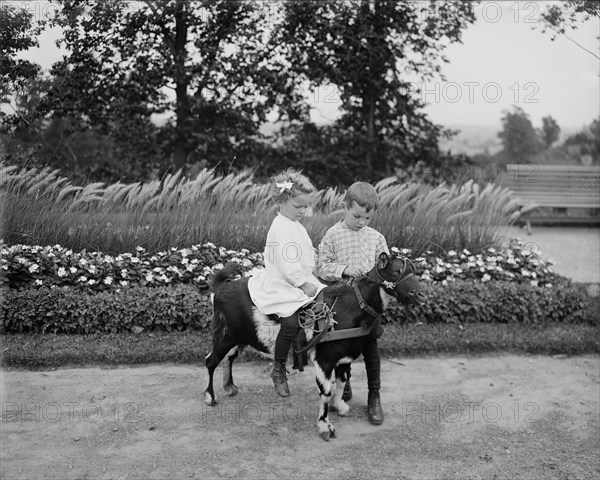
(374, 410)
(373, 367)
(279, 376)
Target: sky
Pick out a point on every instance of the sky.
(502, 61)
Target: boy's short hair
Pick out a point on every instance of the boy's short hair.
(364, 194)
(300, 185)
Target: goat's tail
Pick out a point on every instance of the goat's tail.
(227, 274)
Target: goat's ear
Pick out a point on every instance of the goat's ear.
(382, 261)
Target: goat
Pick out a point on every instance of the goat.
(238, 323)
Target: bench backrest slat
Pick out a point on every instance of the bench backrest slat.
(572, 186)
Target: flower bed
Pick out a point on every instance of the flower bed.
(25, 266)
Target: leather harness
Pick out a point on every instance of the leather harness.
(325, 326)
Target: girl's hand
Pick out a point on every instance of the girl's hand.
(309, 289)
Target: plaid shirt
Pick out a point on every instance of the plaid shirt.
(342, 247)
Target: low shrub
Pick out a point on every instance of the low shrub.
(464, 302)
(186, 308)
(68, 310)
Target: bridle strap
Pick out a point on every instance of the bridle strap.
(364, 306)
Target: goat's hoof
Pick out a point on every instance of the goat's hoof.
(209, 399)
(327, 431)
(231, 390)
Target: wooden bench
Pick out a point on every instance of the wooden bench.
(555, 186)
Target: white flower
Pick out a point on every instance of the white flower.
(83, 278)
(284, 186)
(38, 282)
(452, 253)
(486, 278)
(34, 267)
(534, 283)
(73, 270)
(62, 272)
(149, 277)
(124, 283)
(108, 281)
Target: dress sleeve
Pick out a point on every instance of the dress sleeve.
(327, 266)
(284, 251)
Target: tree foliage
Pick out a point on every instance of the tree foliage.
(560, 17)
(17, 33)
(164, 83)
(371, 51)
(519, 138)
(550, 131)
(199, 65)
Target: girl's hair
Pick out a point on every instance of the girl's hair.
(288, 184)
(364, 194)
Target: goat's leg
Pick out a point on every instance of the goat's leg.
(324, 382)
(221, 346)
(228, 384)
(341, 377)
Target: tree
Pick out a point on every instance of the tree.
(366, 50)
(558, 17)
(201, 65)
(550, 131)
(17, 33)
(519, 139)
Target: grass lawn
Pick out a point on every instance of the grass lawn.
(43, 351)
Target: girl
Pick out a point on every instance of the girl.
(287, 282)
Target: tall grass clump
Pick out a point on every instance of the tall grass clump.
(41, 208)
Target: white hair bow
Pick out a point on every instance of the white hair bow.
(284, 186)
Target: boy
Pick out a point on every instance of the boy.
(348, 250)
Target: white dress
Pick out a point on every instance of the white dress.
(289, 262)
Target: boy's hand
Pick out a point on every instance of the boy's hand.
(309, 289)
(352, 272)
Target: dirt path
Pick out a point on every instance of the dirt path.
(455, 417)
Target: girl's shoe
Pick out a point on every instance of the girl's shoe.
(279, 376)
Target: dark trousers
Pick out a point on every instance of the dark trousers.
(371, 357)
(287, 334)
